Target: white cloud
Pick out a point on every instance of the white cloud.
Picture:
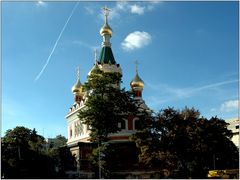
(136, 40)
(41, 3)
(156, 2)
(122, 5)
(229, 106)
(136, 9)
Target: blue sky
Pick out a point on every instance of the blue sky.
(187, 53)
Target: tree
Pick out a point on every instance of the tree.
(185, 144)
(59, 141)
(23, 154)
(106, 104)
(61, 155)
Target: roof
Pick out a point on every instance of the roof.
(106, 56)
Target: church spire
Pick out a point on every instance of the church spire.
(106, 55)
(106, 30)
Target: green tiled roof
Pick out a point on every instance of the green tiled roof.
(106, 56)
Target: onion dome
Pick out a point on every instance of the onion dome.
(137, 82)
(77, 87)
(106, 29)
(95, 68)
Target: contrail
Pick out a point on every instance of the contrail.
(55, 45)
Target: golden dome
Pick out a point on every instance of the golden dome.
(137, 82)
(77, 87)
(106, 29)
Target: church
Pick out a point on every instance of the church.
(78, 133)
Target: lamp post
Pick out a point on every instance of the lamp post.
(215, 159)
(99, 161)
(214, 163)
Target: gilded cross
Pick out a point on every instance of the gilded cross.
(106, 12)
(137, 63)
(78, 72)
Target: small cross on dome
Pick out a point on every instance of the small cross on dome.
(78, 72)
(106, 11)
(137, 63)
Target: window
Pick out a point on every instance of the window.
(78, 128)
(237, 127)
(122, 124)
(70, 133)
(137, 124)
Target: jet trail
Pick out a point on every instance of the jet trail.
(55, 45)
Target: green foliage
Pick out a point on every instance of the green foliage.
(59, 141)
(184, 142)
(60, 154)
(106, 104)
(25, 155)
(22, 154)
(19, 135)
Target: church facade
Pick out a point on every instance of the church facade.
(78, 133)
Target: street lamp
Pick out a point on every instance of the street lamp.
(99, 161)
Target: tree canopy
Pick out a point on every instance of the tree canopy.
(186, 144)
(25, 154)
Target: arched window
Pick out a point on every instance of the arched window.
(71, 133)
(137, 124)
